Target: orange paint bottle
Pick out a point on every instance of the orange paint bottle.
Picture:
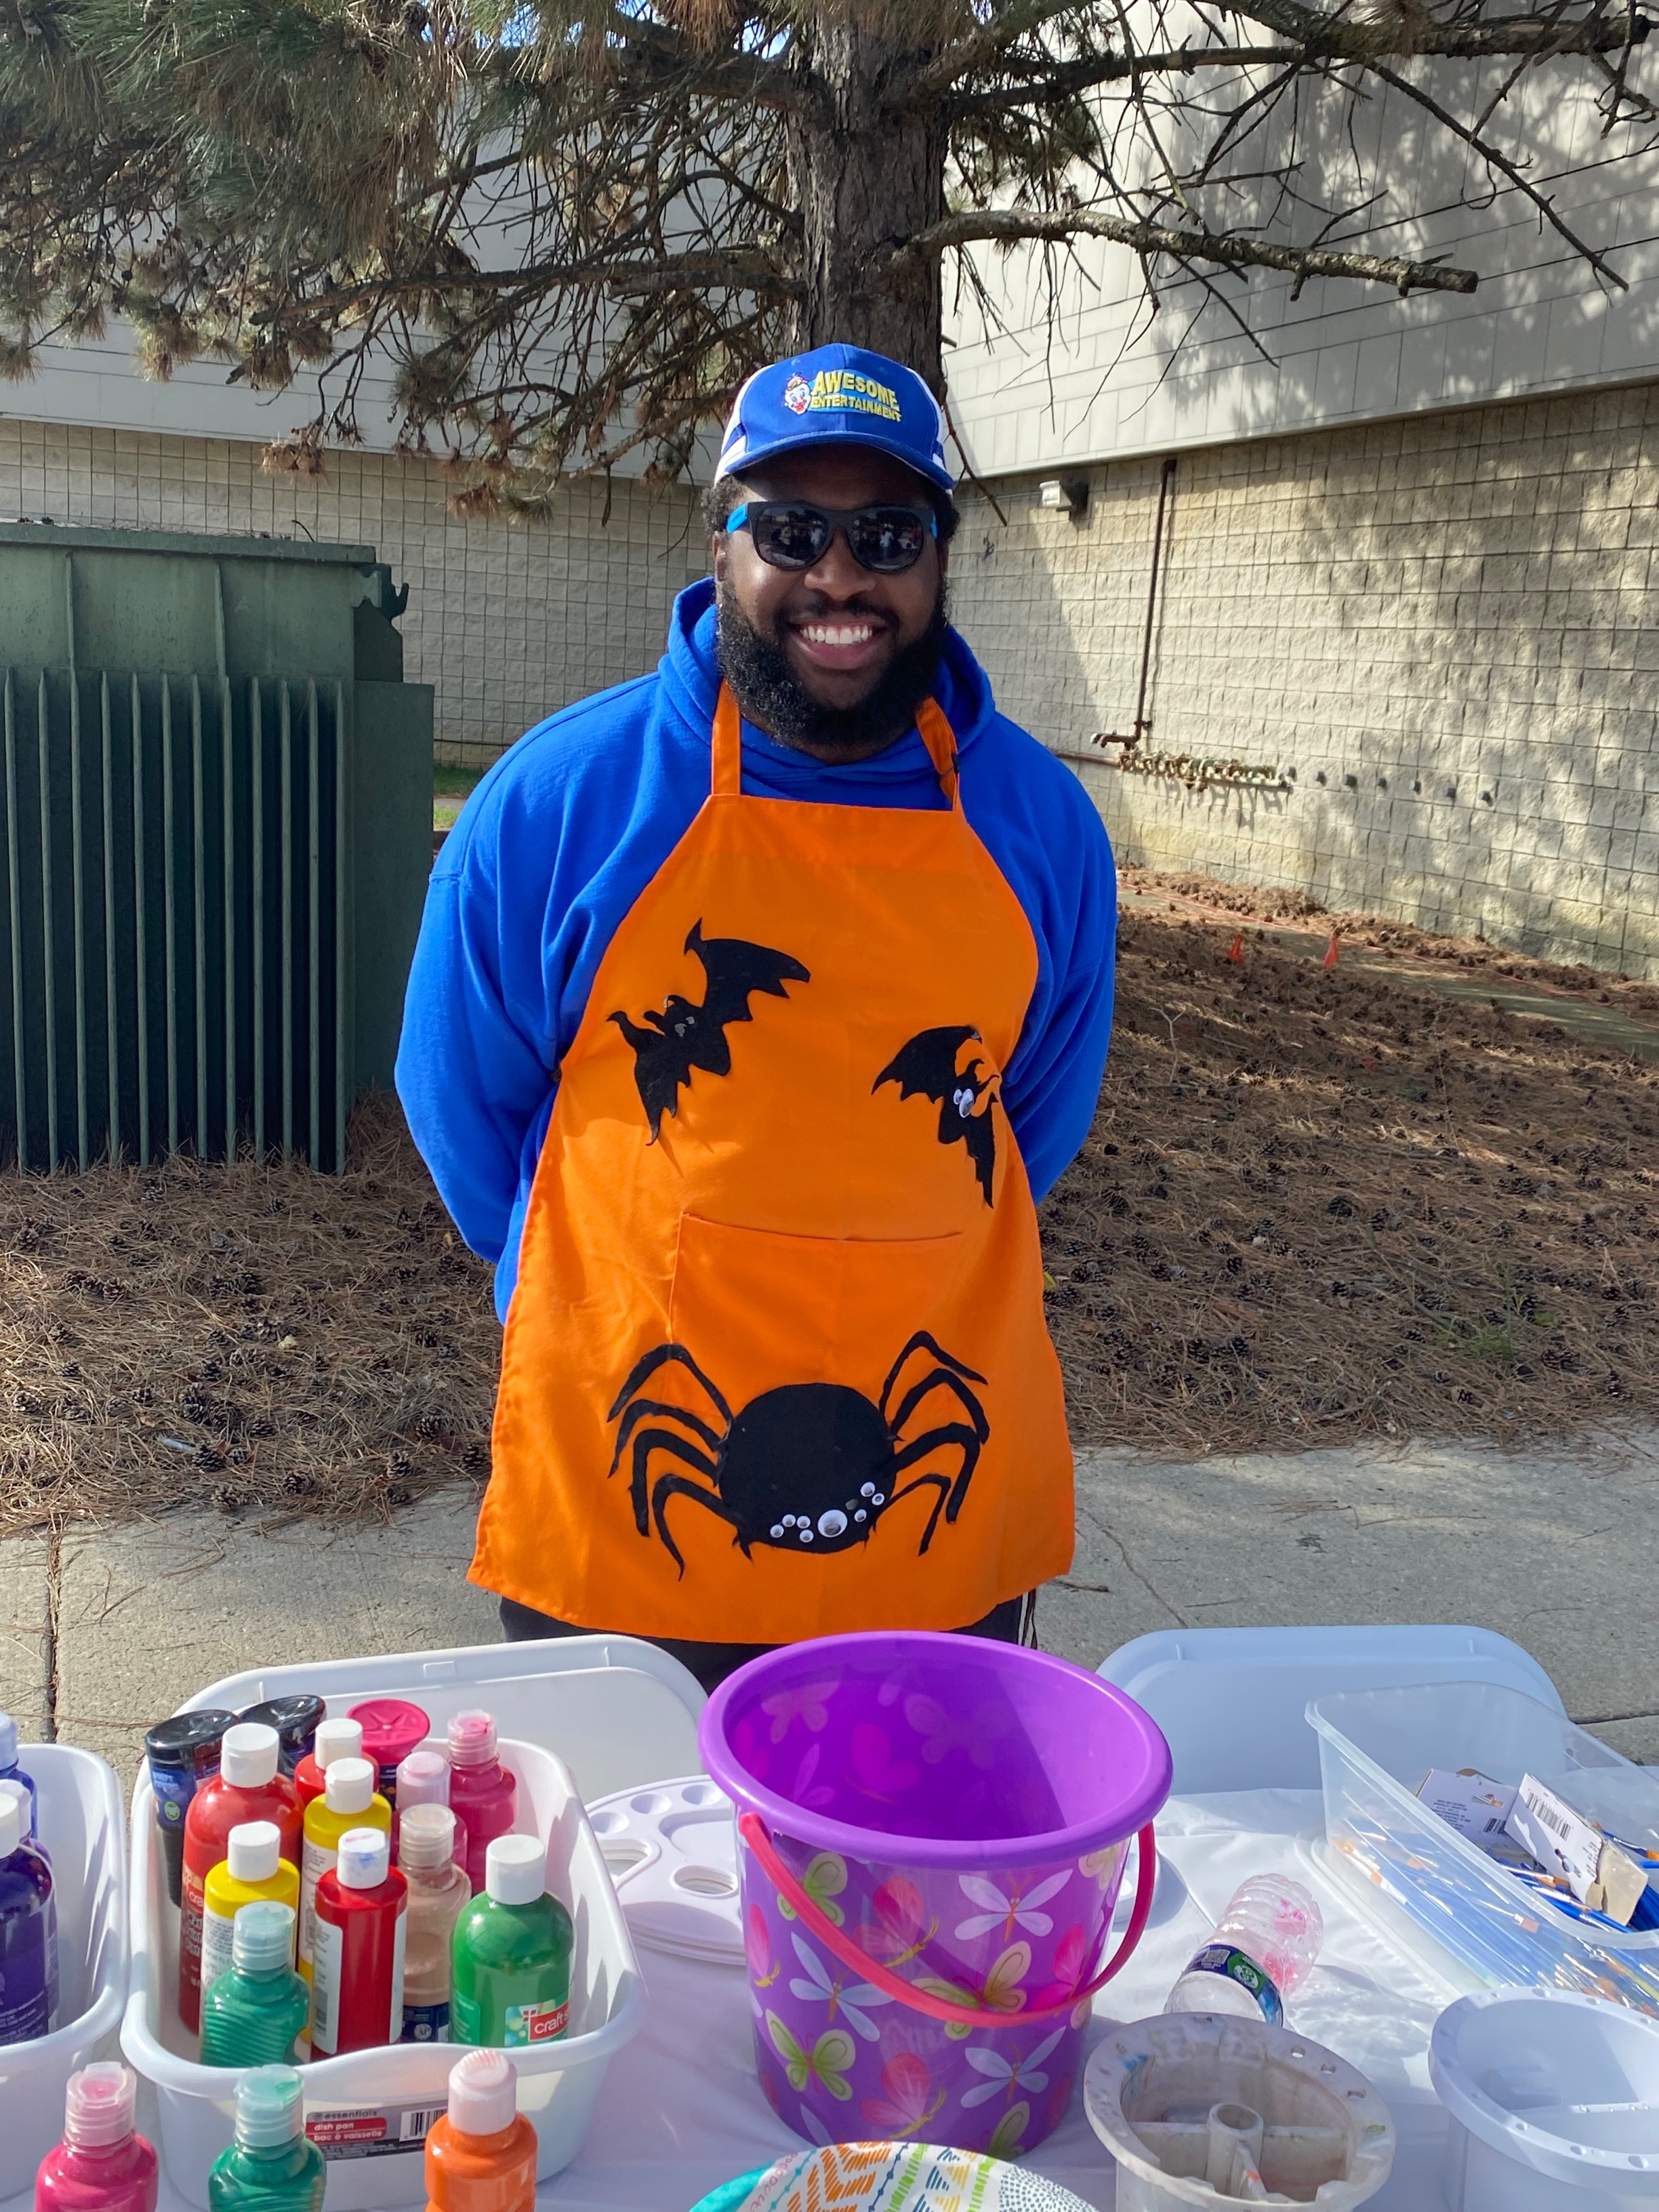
(480, 2155)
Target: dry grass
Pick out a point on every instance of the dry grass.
(255, 1336)
(1314, 1206)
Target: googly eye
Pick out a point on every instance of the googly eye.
(777, 1532)
(878, 1498)
(804, 1533)
(832, 1523)
(868, 1490)
(860, 1514)
(789, 1520)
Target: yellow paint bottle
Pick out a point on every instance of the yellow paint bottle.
(255, 1867)
(349, 1800)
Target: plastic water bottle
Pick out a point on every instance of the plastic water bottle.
(272, 2165)
(1262, 1951)
(103, 2163)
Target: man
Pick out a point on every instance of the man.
(754, 1004)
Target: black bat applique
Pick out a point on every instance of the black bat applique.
(685, 1036)
(927, 1067)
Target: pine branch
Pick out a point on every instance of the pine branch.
(703, 272)
(1009, 227)
(1406, 31)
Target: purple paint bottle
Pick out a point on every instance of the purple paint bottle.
(28, 1928)
(11, 1771)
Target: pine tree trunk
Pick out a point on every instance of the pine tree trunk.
(865, 181)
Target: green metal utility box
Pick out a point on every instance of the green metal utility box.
(216, 805)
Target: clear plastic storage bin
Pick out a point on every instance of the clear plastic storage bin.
(1374, 1748)
(80, 1816)
(368, 2111)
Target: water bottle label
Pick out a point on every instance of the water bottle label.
(1237, 1966)
(428, 2023)
(535, 2023)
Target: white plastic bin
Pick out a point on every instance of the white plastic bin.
(369, 2110)
(80, 1815)
(1374, 1748)
(617, 1711)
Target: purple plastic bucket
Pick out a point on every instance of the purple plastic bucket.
(958, 1814)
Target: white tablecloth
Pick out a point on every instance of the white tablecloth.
(681, 2109)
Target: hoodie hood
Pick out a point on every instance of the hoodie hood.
(690, 675)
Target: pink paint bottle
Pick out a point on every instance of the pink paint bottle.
(103, 2164)
(481, 1790)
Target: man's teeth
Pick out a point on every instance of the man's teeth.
(838, 633)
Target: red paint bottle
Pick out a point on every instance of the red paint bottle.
(247, 1787)
(341, 1739)
(358, 1957)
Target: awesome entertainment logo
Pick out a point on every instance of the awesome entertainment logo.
(841, 391)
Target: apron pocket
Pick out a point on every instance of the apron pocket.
(757, 1309)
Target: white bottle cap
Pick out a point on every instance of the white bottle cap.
(100, 2105)
(515, 1869)
(270, 2107)
(426, 1837)
(349, 1786)
(364, 1859)
(262, 1936)
(254, 1851)
(483, 2094)
(471, 1739)
(14, 1820)
(422, 1779)
(340, 1739)
(248, 1754)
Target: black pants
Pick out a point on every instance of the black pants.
(1013, 1621)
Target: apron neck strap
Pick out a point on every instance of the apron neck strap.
(726, 778)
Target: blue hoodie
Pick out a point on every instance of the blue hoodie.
(569, 826)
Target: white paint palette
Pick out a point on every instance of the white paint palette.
(672, 1852)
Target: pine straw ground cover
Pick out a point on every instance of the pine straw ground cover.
(1314, 1206)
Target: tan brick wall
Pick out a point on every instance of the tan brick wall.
(1459, 612)
(507, 622)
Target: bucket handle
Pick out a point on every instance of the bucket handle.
(753, 1831)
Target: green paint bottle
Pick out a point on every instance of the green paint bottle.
(271, 2166)
(510, 1954)
(254, 2012)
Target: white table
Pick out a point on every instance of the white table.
(681, 2109)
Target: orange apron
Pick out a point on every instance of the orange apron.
(775, 1365)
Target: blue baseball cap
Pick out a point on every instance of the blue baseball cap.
(837, 394)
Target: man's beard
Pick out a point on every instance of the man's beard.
(771, 695)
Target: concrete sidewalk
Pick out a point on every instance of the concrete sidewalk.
(108, 1631)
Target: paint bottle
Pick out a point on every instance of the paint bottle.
(182, 1753)
(103, 2163)
(28, 1926)
(253, 1866)
(481, 1788)
(357, 1981)
(348, 1801)
(295, 1720)
(481, 2154)
(391, 1729)
(438, 1893)
(510, 1954)
(424, 1779)
(270, 2167)
(340, 1739)
(255, 2012)
(247, 1787)
(11, 1771)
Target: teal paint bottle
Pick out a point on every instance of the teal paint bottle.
(254, 2013)
(270, 2167)
(510, 1954)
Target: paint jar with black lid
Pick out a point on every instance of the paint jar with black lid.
(295, 1719)
(183, 1753)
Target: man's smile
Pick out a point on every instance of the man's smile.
(844, 643)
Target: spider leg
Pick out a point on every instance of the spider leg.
(920, 1342)
(941, 1483)
(941, 1379)
(659, 1357)
(643, 1408)
(952, 1433)
(645, 1443)
(677, 1486)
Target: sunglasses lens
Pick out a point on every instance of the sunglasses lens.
(887, 539)
(790, 537)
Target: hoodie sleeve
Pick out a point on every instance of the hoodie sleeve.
(1043, 829)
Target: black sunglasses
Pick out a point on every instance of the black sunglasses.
(793, 533)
